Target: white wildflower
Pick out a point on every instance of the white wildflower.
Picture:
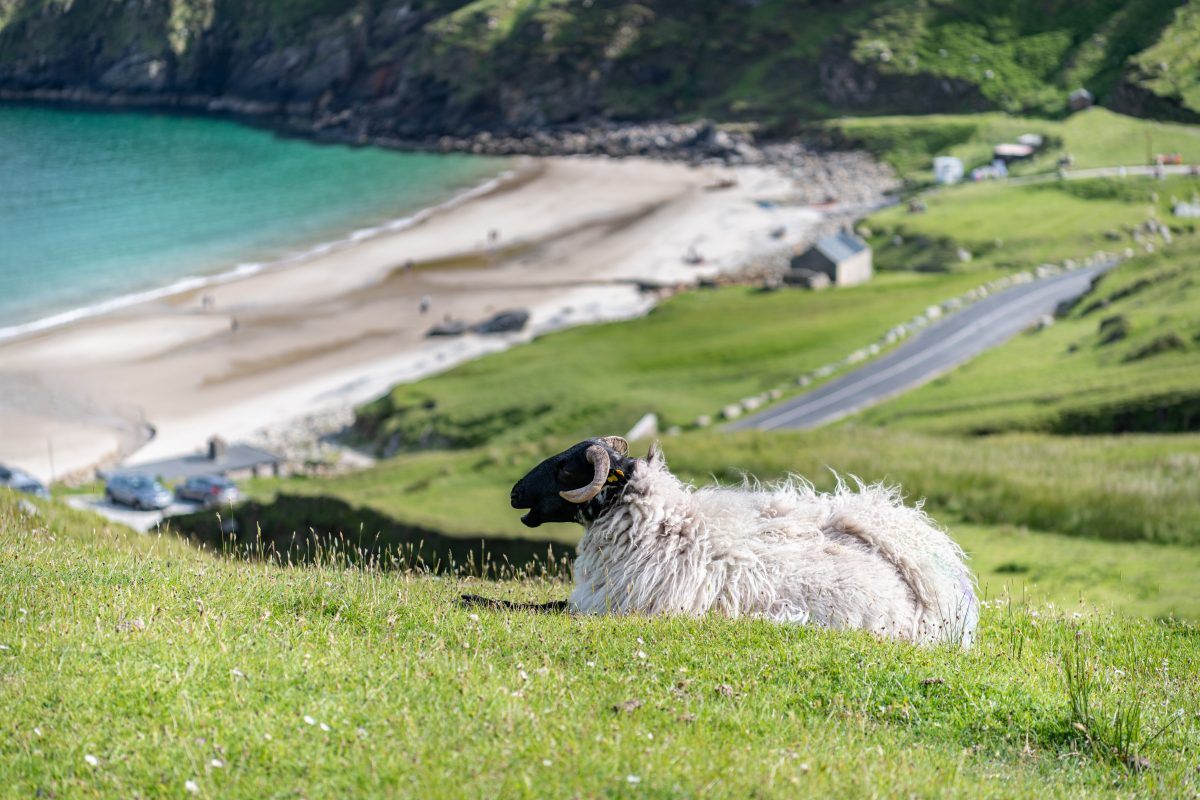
(642, 654)
(309, 720)
(217, 763)
(192, 787)
(632, 779)
(325, 727)
(546, 762)
(591, 663)
(91, 760)
(473, 617)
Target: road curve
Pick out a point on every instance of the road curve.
(937, 349)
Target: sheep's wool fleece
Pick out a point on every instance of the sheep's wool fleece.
(854, 558)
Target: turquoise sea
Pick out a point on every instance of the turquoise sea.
(100, 209)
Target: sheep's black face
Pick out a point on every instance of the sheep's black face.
(597, 464)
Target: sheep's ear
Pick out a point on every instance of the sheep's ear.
(654, 456)
(618, 445)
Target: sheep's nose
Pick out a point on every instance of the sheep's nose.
(515, 497)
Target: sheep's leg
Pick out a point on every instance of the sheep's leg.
(553, 607)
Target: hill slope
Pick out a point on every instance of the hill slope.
(391, 68)
(134, 666)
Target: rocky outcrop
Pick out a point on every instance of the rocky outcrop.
(850, 84)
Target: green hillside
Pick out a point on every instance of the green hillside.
(135, 666)
(436, 66)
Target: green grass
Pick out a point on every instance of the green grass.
(1114, 520)
(1017, 226)
(1069, 572)
(687, 358)
(167, 665)
(1127, 357)
(1093, 138)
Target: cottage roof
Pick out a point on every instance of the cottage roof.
(840, 246)
(237, 457)
(1010, 150)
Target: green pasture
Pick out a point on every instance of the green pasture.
(133, 665)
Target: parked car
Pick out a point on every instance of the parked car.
(138, 491)
(22, 481)
(208, 490)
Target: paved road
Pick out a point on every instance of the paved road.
(937, 349)
(138, 520)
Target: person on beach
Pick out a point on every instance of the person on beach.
(426, 300)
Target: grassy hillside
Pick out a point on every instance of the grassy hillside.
(687, 358)
(1096, 137)
(135, 666)
(1018, 227)
(444, 65)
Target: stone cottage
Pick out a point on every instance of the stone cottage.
(844, 257)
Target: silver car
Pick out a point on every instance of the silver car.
(138, 491)
(208, 490)
(22, 481)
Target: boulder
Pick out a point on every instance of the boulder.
(645, 427)
(806, 278)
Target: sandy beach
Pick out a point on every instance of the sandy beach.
(571, 240)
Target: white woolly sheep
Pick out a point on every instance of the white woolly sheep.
(854, 558)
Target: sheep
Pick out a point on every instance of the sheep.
(854, 558)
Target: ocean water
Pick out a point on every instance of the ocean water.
(99, 209)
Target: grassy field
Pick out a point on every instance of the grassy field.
(134, 665)
(1011, 227)
(687, 358)
(1093, 138)
(1114, 520)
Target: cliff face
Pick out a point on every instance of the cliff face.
(386, 68)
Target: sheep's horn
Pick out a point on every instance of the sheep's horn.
(597, 456)
(619, 445)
